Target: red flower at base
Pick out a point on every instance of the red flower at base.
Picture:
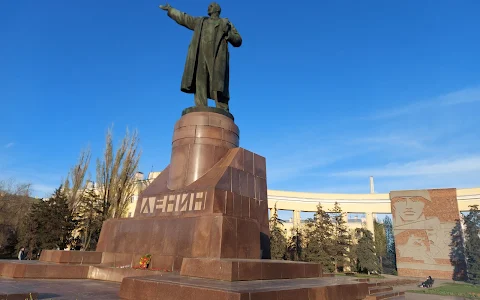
(145, 261)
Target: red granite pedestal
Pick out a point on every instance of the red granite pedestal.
(211, 202)
(207, 216)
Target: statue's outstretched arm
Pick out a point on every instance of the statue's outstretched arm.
(180, 17)
(233, 36)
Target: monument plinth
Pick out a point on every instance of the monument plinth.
(200, 140)
(206, 216)
(210, 202)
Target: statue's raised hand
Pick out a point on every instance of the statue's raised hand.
(165, 7)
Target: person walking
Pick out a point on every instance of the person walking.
(21, 254)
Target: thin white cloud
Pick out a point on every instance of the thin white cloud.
(42, 190)
(412, 142)
(468, 95)
(440, 149)
(43, 183)
(286, 167)
(465, 96)
(457, 180)
(419, 168)
(9, 145)
(339, 188)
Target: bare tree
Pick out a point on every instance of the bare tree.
(74, 184)
(11, 187)
(14, 200)
(109, 196)
(15, 203)
(116, 174)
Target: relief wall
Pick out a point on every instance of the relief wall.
(423, 222)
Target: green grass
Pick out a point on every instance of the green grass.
(469, 291)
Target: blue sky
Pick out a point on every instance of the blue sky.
(330, 92)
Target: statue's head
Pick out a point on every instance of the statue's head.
(214, 7)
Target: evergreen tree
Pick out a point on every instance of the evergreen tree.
(457, 252)
(472, 245)
(319, 244)
(89, 219)
(278, 241)
(295, 245)
(62, 219)
(367, 260)
(341, 237)
(380, 242)
(49, 224)
(30, 235)
(390, 264)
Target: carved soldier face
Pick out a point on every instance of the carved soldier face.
(214, 8)
(410, 209)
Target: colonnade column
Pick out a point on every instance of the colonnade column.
(369, 221)
(296, 218)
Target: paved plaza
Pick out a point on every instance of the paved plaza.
(101, 290)
(62, 289)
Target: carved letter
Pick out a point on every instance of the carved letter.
(184, 202)
(160, 203)
(147, 205)
(144, 206)
(171, 201)
(198, 201)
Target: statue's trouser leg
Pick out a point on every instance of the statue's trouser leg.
(222, 105)
(201, 80)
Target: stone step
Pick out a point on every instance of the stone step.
(117, 274)
(391, 282)
(248, 269)
(71, 257)
(379, 289)
(41, 270)
(175, 287)
(385, 295)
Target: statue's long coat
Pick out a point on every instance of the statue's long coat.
(220, 76)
